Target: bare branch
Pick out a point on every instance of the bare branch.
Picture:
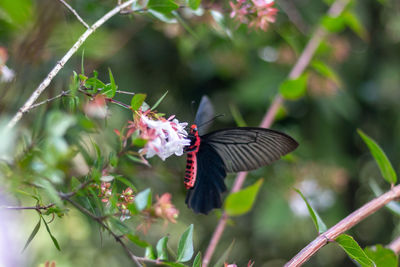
(63, 93)
(62, 62)
(344, 225)
(302, 62)
(37, 208)
(75, 13)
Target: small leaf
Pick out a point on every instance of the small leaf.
(162, 6)
(319, 224)
(32, 235)
(136, 240)
(353, 250)
(137, 101)
(225, 255)
(159, 101)
(174, 264)
(295, 88)
(325, 71)
(383, 257)
(333, 24)
(380, 157)
(242, 201)
(194, 4)
(55, 242)
(197, 260)
(185, 246)
(112, 82)
(353, 22)
(149, 253)
(143, 199)
(161, 247)
(126, 182)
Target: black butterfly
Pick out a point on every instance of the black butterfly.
(212, 155)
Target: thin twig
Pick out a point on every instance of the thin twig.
(125, 92)
(37, 208)
(395, 245)
(302, 62)
(62, 62)
(118, 238)
(75, 13)
(344, 225)
(63, 93)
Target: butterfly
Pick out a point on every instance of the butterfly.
(211, 156)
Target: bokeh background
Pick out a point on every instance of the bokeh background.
(240, 70)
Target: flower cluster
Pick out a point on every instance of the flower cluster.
(255, 13)
(124, 199)
(163, 137)
(163, 208)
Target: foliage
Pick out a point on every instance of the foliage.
(81, 160)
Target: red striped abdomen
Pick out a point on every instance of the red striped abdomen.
(191, 170)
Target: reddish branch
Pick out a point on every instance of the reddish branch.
(395, 245)
(345, 224)
(303, 61)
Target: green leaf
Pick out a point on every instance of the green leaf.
(112, 82)
(125, 181)
(32, 235)
(353, 22)
(51, 235)
(143, 199)
(174, 264)
(319, 224)
(161, 247)
(82, 62)
(94, 84)
(185, 246)
(383, 257)
(162, 6)
(159, 101)
(294, 89)
(136, 240)
(51, 192)
(242, 201)
(353, 250)
(137, 101)
(194, 4)
(149, 253)
(333, 24)
(225, 255)
(380, 157)
(325, 71)
(197, 260)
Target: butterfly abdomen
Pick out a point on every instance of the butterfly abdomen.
(191, 170)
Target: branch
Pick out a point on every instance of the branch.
(344, 225)
(75, 13)
(37, 208)
(63, 93)
(395, 245)
(118, 238)
(39, 90)
(302, 62)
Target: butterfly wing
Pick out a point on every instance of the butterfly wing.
(204, 115)
(248, 148)
(206, 192)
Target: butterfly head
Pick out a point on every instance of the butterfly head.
(193, 129)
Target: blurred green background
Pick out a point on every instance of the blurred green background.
(240, 71)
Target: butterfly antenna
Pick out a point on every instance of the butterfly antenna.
(209, 121)
(192, 108)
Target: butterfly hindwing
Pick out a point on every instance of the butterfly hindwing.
(209, 185)
(248, 148)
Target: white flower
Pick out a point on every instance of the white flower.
(7, 74)
(170, 138)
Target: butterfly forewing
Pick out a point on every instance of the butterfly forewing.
(204, 115)
(248, 148)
